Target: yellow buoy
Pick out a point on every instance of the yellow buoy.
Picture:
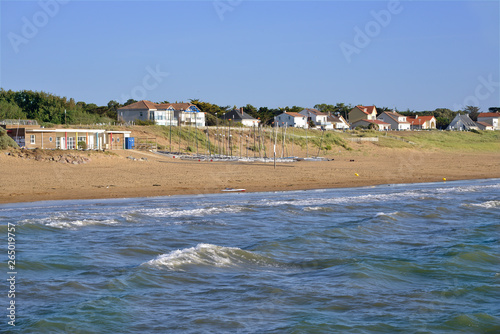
(356, 174)
(444, 179)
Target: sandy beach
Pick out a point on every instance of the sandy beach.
(116, 176)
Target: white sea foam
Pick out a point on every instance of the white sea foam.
(62, 221)
(316, 202)
(318, 208)
(486, 205)
(211, 256)
(467, 189)
(424, 193)
(201, 212)
(383, 214)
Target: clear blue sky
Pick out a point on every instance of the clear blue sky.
(417, 55)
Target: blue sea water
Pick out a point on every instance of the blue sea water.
(419, 258)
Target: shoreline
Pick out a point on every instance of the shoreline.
(116, 176)
(6, 204)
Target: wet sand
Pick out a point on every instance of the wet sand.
(116, 176)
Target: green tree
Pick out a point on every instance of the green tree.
(442, 122)
(129, 102)
(473, 112)
(326, 108)
(10, 110)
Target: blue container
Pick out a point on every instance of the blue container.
(129, 143)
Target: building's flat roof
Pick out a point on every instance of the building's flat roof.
(77, 130)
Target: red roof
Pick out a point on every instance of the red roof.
(367, 109)
(488, 114)
(484, 124)
(140, 105)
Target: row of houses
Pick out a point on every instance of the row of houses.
(366, 116)
(178, 114)
(359, 116)
(485, 121)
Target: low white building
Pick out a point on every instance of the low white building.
(291, 119)
(239, 116)
(320, 119)
(397, 121)
(338, 122)
(484, 126)
(491, 118)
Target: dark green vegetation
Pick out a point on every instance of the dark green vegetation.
(49, 108)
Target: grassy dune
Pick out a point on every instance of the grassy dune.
(300, 142)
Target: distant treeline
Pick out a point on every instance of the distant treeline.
(49, 108)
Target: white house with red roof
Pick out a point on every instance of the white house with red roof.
(292, 119)
(320, 119)
(484, 126)
(162, 113)
(421, 122)
(397, 121)
(491, 118)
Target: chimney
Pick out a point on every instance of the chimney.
(416, 116)
(241, 111)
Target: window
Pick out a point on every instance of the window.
(50, 139)
(84, 139)
(140, 114)
(32, 139)
(71, 143)
(58, 142)
(118, 140)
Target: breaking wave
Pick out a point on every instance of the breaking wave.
(62, 221)
(201, 212)
(211, 256)
(486, 205)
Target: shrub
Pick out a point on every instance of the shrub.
(146, 122)
(82, 145)
(6, 141)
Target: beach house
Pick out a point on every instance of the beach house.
(397, 121)
(484, 126)
(320, 119)
(421, 122)
(162, 113)
(239, 116)
(462, 123)
(491, 118)
(291, 119)
(67, 139)
(338, 122)
(362, 113)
